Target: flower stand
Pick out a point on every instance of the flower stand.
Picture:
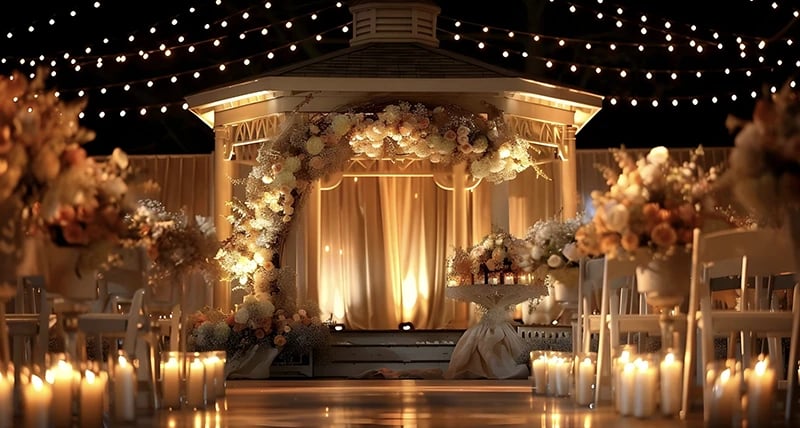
(254, 363)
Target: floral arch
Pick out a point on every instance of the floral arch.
(312, 146)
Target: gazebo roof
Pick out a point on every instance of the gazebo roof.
(394, 60)
(394, 53)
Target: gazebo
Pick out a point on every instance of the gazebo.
(394, 54)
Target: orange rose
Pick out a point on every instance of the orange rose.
(664, 216)
(260, 333)
(664, 235)
(279, 340)
(609, 243)
(650, 212)
(630, 241)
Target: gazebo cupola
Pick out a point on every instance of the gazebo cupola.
(377, 21)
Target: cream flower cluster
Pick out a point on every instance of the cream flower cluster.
(553, 243)
(653, 202)
(313, 146)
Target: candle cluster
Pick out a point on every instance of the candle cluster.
(68, 393)
(195, 380)
(735, 396)
(551, 373)
(645, 384)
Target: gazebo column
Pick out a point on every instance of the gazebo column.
(460, 207)
(500, 212)
(569, 174)
(223, 193)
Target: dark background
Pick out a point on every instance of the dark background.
(740, 25)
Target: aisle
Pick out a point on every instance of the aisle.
(407, 403)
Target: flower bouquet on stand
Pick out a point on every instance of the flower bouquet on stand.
(764, 165)
(648, 213)
(555, 254)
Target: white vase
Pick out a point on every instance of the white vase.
(251, 364)
(65, 276)
(665, 282)
(564, 284)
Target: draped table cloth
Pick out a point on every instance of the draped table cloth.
(491, 349)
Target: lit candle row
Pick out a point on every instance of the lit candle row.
(635, 379)
(732, 391)
(201, 373)
(551, 373)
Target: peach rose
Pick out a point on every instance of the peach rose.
(609, 243)
(630, 241)
(280, 340)
(664, 235)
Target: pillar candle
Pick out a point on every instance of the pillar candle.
(671, 375)
(91, 400)
(644, 389)
(761, 384)
(211, 364)
(171, 383)
(61, 378)
(220, 374)
(36, 401)
(124, 390)
(195, 384)
(551, 375)
(562, 375)
(6, 399)
(584, 380)
(625, 356)
(725, 399)
(625, 386)
(539, 368)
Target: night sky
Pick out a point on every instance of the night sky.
(564, 41)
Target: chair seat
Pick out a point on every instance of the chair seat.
(759, 322)
(103, 323)
(26, 324)
(636, 323)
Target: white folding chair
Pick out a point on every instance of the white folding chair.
(30, 324)
(744, 253)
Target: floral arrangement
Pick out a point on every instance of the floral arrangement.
(554, 249)
(313, 146)
(176, 245)
(553, 243)
(764, 165)
(268, 318)
(57, 190)
(652, 203)
(497, 253)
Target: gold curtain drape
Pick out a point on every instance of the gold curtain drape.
(372, 250)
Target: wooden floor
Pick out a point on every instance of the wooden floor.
(400, 403)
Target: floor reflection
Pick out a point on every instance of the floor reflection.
(399, 403)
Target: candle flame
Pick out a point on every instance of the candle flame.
(36, 382)
(669, 358)
(122, 361)
(725, 375)
(89, 376)
(761, 367)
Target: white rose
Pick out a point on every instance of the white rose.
(537, 252)
(658, 155)
(241, 316)
(617, 217)
(649, 173)
(555, 261)
(571, 252)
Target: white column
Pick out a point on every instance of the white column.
(569, 174)
(460, 207)
(223, 192)
(500, 195)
